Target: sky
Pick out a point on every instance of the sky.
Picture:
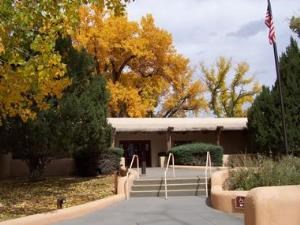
(203, 30)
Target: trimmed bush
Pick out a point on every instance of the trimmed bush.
(119, 152)
(110, 160)
(195, 154)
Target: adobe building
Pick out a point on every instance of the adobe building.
(153, 136)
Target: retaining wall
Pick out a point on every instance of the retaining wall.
(17, 168)
(263, 205)
(273, 206)
(221, 199)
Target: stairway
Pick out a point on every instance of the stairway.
(176, 187)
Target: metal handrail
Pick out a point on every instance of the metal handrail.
(166, 170)
(207, 166)
(128, 172)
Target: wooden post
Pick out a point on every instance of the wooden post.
(113, 137)
(116, 173)
(219, 130)
(169, 138)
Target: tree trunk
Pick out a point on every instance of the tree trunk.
(36, 169)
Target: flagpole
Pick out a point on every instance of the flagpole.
(286, 147)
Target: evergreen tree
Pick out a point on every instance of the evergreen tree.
(264, 117)
(263, 122)
(84, 130)
(290, 73)
(84, 125)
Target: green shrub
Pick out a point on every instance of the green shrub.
(266, 173)
(119, 152)
(110, 160)
(195, 154)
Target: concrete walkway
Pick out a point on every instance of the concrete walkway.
(158, 211)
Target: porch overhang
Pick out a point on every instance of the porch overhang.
(177, 124)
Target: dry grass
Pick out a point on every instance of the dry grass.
(21, 198)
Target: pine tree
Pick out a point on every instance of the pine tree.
(84, 131)
(264, 117)
(290, 73)
(263, 120)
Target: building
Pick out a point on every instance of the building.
(150, 136)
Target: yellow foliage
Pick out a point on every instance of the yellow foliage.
(1, 46)
(139, 62)
(184, 95)
(229, 100)
(30, 68)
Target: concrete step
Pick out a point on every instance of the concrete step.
(178, 186)
(186, 192)
(169, 181)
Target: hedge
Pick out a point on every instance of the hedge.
(117, 151)
(195, 154)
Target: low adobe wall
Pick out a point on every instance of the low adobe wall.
(263, 205)
(17, 168)
(273, 205)
(221, 199)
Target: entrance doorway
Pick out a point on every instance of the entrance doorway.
(140, 148)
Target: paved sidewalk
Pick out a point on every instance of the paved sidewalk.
(158, 211)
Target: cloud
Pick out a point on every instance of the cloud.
(203, 30)
(249, 29)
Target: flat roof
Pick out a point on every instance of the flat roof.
(178, 124)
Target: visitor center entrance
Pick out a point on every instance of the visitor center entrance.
(140, 148)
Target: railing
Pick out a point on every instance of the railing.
(207, 167)
(166, 170)
(128, 173)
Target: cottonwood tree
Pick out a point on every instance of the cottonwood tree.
(30, 68)
(185, 96)
(139, 62)
(295, 25)
(229, 99)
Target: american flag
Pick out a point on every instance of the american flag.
(270, 25)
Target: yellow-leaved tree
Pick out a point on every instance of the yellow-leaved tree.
(229, 99)
(144, 72)
(31, 71)
(295, 24)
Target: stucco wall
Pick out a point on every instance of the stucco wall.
(273, 206)
(5, 165)
(158, 142)
(17, 168)
(204, 136)
(234, 142)
(221, 199)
